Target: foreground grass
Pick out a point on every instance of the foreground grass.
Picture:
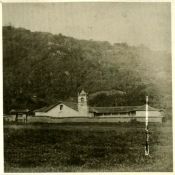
(88, 147)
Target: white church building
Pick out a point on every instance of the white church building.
(66, 109)
(82, 110)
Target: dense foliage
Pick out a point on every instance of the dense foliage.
(40, 68)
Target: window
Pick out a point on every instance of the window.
(82, 99)
(61, 107)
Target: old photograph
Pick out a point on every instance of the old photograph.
(87, 87)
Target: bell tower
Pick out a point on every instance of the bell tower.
(82, 103)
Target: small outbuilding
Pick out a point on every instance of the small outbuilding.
(20, 114)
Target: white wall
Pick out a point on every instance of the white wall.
(65, 112)
(56, 112)
(83, 110)
(154, 116)
(40, 113)
(150, 113)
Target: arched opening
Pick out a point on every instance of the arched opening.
(82, 100)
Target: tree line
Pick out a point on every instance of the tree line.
(41, 68)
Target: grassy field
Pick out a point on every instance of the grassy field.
(86, 148)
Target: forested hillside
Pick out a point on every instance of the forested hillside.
(42, 68)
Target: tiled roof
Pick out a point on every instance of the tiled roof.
(71, 105)
(19, 110)
(111, 109)
(120, 109)
(143, 108)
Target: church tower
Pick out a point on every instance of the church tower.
(82, 103)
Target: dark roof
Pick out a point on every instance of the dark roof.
(19, 110)
(111, 109)
(143, 108)
(47, 108)
(120, 109)
(71, 105)
(100, 109)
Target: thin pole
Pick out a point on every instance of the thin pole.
(146, 130)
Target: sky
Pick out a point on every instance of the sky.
(136, 23)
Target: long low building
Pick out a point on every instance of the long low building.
(128, 113)
(81, 109)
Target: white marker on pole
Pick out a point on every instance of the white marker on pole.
(146, 130)
(146, 120)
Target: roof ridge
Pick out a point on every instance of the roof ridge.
(69, 102)
(111, 106)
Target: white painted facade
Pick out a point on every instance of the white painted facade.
(150, 113)
(153, 116)
(37, 113)
(82, 104)
(60, 110)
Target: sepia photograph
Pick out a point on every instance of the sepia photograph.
(87, 87)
